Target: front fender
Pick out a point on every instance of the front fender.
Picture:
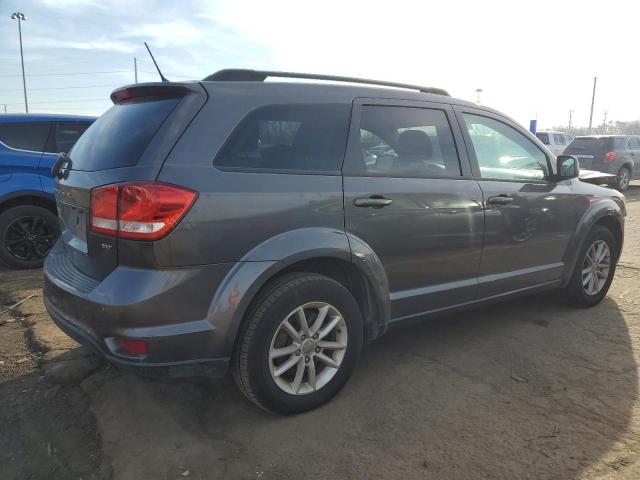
(243, 282)
(600, 208)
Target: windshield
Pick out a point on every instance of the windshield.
(543, 137)
(589, 145)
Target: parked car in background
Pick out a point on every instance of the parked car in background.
(29, 145)
(278, 227)
(555, 141)
(615, 154)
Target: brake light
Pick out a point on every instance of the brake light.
(146, 211)
(104, 210)
(610, 157)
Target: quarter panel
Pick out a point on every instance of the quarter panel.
(236, 212)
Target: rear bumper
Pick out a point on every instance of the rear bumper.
(211, 367)
(169, 309)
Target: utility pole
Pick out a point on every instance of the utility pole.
(593, 99)
(20, 17)
(478, 92)
(604, 122)
(5, 107)
(135, 68)
(570, 117)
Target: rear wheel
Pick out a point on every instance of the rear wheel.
(299, 345)
(624, 179)
(27, 233)
(594, 270)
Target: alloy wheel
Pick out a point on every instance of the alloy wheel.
(307, 348)
(29, 238)
(624, 178)
(596, 267)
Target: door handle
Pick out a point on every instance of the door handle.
(373, 201)
(499, 200)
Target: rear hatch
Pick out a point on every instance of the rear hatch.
(590, 151)
(127, 143)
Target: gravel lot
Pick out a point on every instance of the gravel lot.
(528, 389)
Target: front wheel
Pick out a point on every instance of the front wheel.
(299, 344)
(624, 179)
(594, 270)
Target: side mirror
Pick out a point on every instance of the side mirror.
(568, 167)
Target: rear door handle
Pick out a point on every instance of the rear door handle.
(499, 200)
(372, 201)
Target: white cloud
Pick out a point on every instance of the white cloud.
(100, 44)
(171, 33)
(528, 58)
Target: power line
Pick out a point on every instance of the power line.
(67, 101)
(65, 74)
(60, 88)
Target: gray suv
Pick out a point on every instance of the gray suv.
(615, 154)
(276, 227)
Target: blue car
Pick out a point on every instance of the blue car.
(29, 145)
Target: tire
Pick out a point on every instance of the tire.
(624, 179)
(577, 293)
(27, 233)
(253, 368)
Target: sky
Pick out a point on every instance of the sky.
(531, 59)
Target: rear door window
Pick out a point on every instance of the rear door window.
(25, 136)
(558, 139)
(406, 142)
(120, 136)
(308, 138)
(64, 135)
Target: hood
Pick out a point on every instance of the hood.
(597, 178)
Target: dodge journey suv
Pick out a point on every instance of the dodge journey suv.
(277, 227)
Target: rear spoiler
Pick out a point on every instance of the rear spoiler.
(150, 91)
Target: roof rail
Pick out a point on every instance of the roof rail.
(243, 75)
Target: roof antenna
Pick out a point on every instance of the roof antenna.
(162, 77)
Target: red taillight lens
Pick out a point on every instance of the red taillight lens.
(610, 157)
(104, 210)
(146, 211)
(136, 348)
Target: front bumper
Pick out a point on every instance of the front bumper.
(169, 309)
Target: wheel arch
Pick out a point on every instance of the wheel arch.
(604, 212)
(28, 197)
(324, 251)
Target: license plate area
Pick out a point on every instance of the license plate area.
(74, 225)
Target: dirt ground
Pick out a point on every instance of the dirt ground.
(530, 389)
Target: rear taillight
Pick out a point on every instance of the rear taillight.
(609, 157)
(145, 211)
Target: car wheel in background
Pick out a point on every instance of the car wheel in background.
(299, 344)
(594, 269)
(27, 233)
(624, 178)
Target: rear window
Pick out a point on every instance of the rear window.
(121, 135)
(289, 137)
(543, 137)
(25, 136)
(589, 145)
